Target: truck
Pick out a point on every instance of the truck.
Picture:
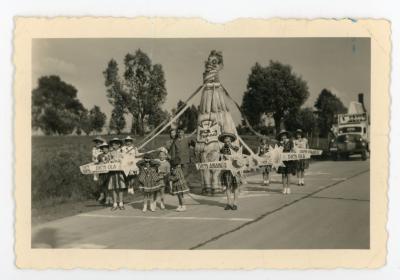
(351, 133)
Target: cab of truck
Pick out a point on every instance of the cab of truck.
(352, 137)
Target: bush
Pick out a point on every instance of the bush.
(55, 171)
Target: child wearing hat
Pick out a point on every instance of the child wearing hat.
(149, 181)
(177, 182)
(262, 150)
(230, 181)
(116, 179)
(301, 143)
(130, 149)
(289, 168)
(163, 170)
(104, 157)
(96, 151)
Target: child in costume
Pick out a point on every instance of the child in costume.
(300, 143)
(116, 179)
(96, 151)
(230, 181)
(104, 157)
(149, 181)
(177, 183)
(164, 169)
(263, 149)
(289, 168)
(131, 150)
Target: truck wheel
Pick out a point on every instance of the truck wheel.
(364, 155)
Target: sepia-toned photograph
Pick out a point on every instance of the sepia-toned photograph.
(207, 144)
(235, 143)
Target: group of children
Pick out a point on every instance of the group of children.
(156, 176)
(153, 177)
(291, 167)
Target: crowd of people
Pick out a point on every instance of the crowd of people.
(166, 172)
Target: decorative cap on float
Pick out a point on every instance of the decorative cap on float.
(213, 65)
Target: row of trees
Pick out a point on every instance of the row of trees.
(57, 110)
(276, 88)
(139, 92)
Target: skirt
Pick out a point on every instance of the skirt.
(229, 181)
(149, 188)
(302, 164)
(179, 185)
(116, 180)
(289, 168)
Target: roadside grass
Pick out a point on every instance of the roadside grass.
(58, 189)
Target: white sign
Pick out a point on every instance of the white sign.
(208, 131)
(352, 118)
(215, 165)
(127, 164)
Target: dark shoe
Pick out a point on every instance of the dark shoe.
(234, 207)
(227, 207)
(114, 208)
(121, 207)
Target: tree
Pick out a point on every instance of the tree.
(302, 119)
(157, 117)
(141, 91)
(117, 120)
(188, 120)
(97, 119)
(274, 88)
(328, 105)
(84, 123)
(55, 106)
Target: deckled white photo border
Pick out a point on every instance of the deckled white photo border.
(29, 28)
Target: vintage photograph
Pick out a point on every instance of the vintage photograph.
(201, 143)
(180, 144)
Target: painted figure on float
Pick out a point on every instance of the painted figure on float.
(214, 118)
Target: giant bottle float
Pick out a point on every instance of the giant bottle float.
(214, 118)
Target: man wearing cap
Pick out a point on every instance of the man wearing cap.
(300, 143)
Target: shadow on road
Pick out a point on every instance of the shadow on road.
(45, 238)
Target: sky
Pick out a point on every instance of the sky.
(341, 65)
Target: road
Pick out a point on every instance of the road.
(330, 212)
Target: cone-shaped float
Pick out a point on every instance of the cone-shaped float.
(214, 118)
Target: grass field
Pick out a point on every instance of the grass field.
(58, 187)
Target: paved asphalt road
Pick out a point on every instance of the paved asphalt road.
(330, 212)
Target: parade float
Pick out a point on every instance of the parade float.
(213, 120)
